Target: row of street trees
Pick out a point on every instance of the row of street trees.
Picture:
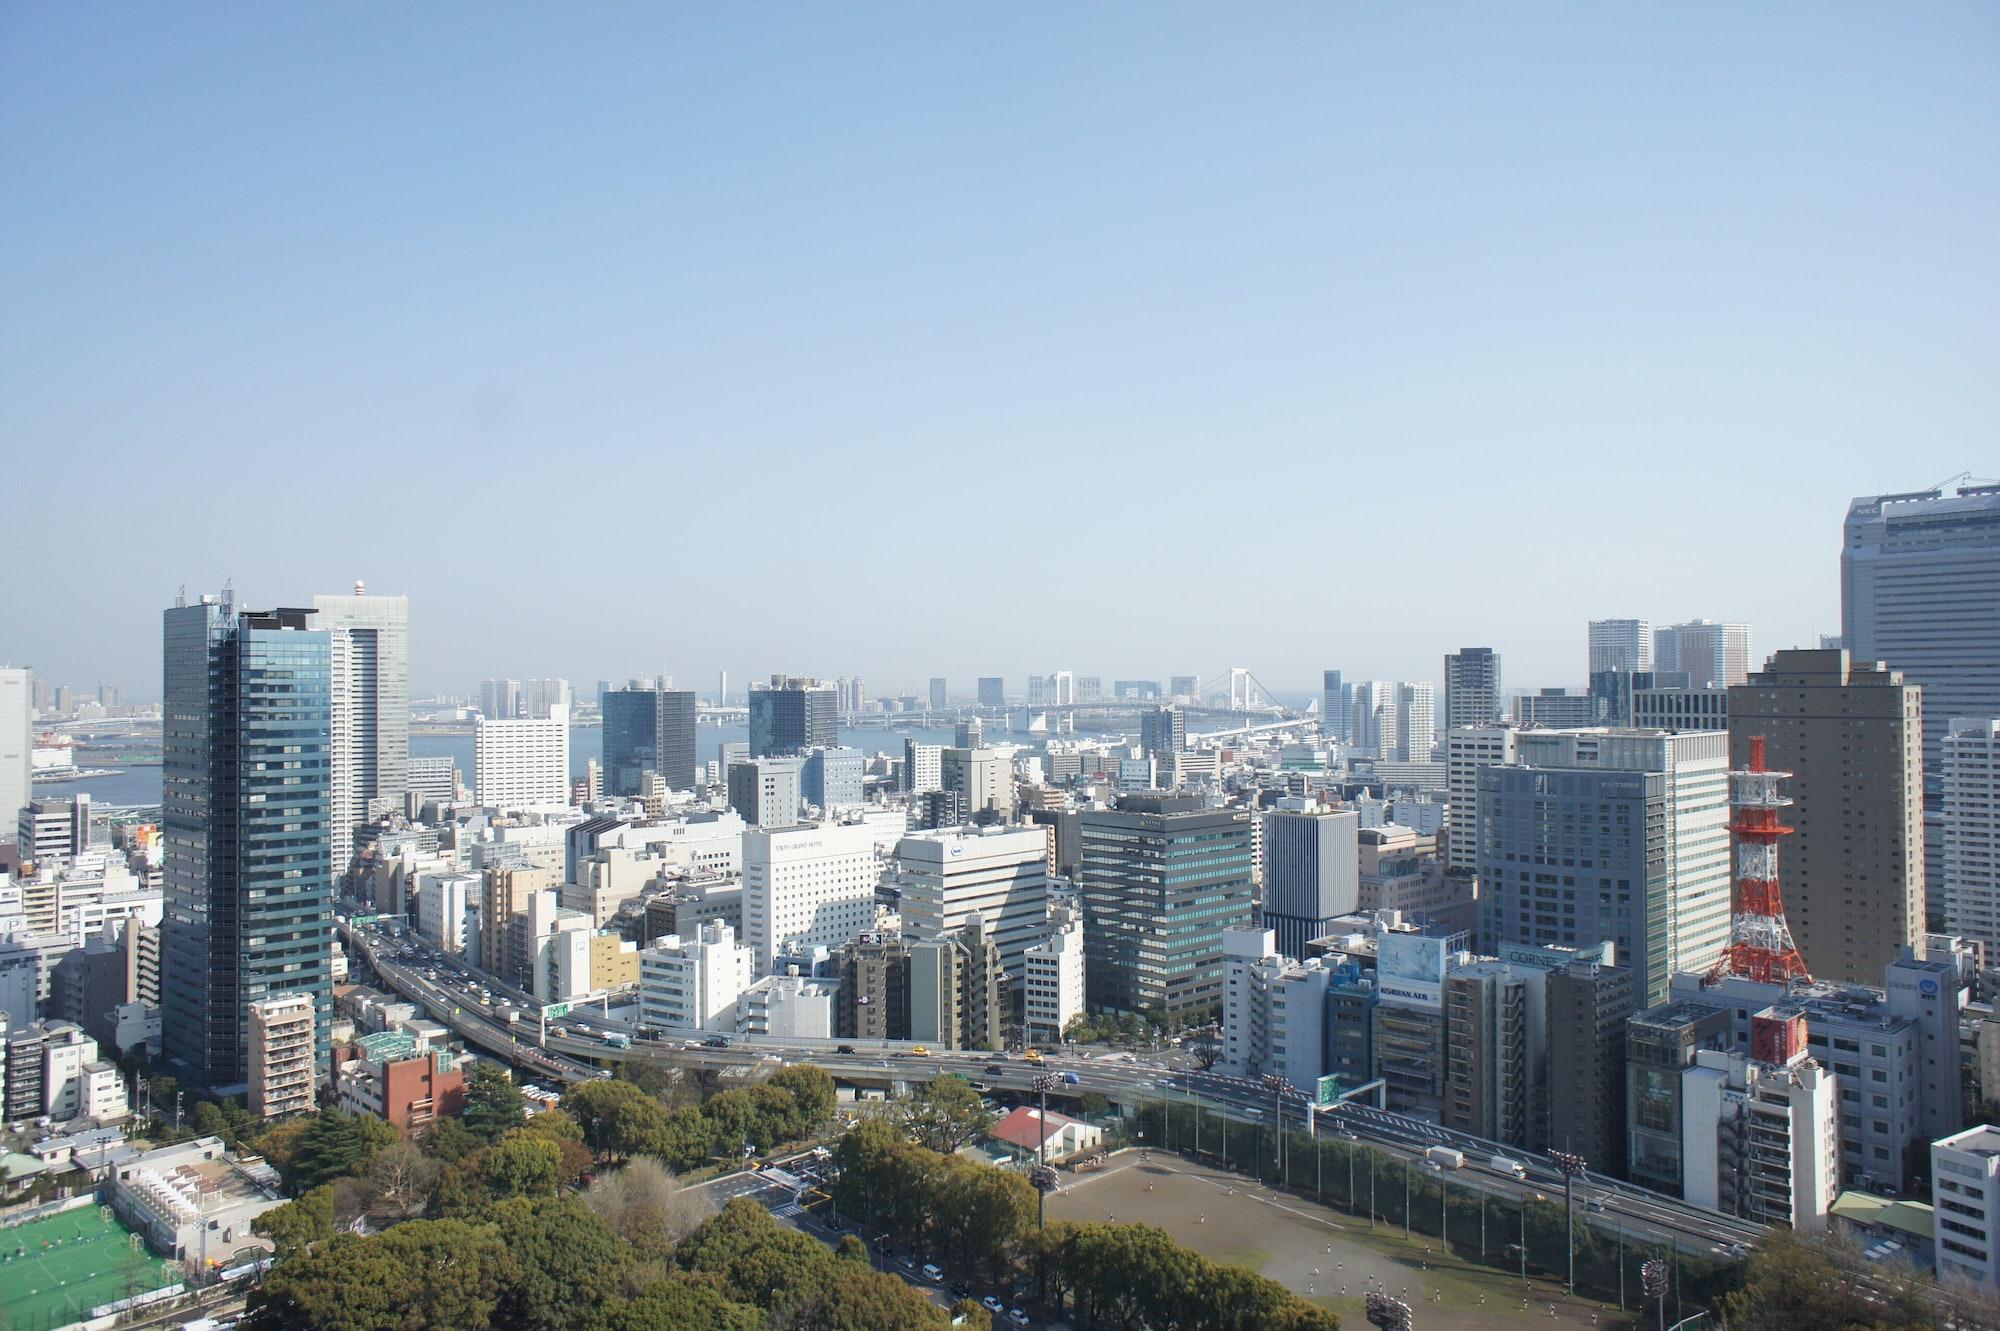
(620, 1120)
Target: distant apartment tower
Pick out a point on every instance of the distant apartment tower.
(1163, 876)
(500, 699)
(1392, 721)
(940, 697)
(1183, 686)
(1920, 590)
(538, 695)
(648, 730)
(1163, 733)
(922, 767)
(17, 744)
(1620, 644)
(1969, 772)
(1714, 656)
(433, 778)
(371, 708)
(522, 764)
(281, 1055)
(1336, 707)
(791, 714)
(1466, 750)
(1472, 695)
(1311, 870)
(992, 691)
(767, 791)
(1592, 835)
(1850, 731)
(246, 818)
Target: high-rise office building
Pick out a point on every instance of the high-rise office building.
(522, 764)
(1592, 835)
(1312, 870)
(806, 888)
(939, 697)
(998, 874)
(500, 699)
(1620, 644)
(831, 779)
(1920, 590)
(648, 730)
(1163, 732)
(246, 816)
(1163, 876)
(983, 778)
(792, 714)
(767, 791)
(1714, 656)
(1969, 786)
(371, 708)
(17, 744)
(992, 691)
(1472, 695)
(1336, 708)
(1850, 733)
(922, 767)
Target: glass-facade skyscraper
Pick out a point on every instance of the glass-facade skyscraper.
(246, 817)
(791, 715)
(648, 730)
(1920, 590)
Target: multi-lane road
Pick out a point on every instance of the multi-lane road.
(470, 1005)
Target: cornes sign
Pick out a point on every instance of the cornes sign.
(1409, 970)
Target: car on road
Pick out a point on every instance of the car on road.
(843, 1049)
(1594, 1204)
(933, 1273)
(992, 1305)
(961, 1290)
(1071, 1079)
(993, 1069)
(1017, 1317)
(907, 1262)
(716, 1042)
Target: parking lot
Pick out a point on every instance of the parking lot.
(1317, 1252)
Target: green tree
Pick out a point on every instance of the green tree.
(946, 1114)
(522, 1166)
(207, 1121)
(852, 1249)
(1091, 1104)
(645, 1206)
(334, 1144)
(493, 1103)
(616, 1118)
(428, 1275)
(297, 1225)
(449, 1140)
(812, 1088)
(681, 1302)
(569, 1263)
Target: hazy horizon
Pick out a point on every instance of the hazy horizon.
(896, 341)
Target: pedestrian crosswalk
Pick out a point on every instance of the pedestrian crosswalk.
(788, 1210)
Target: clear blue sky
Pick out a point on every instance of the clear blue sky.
(972, 339)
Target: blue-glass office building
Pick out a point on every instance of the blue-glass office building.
(246, 814)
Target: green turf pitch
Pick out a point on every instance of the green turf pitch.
(54, 1271)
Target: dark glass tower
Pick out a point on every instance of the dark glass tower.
(247, 818)
(648, 730)
(790, 715)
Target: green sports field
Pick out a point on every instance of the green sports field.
(54, 1271)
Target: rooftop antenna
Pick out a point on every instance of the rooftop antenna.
(181, 597)
(1760, 941)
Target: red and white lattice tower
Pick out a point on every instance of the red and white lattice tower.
(1760, 942)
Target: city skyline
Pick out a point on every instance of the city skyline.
(832, 271)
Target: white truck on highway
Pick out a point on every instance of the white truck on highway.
(1506, 1166)
(1446, 1157)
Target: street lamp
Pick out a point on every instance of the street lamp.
(1653, 1275)
(1571, 1165)
(1041, 1175)
(1276, 1085)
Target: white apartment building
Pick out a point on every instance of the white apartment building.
(1620, 644)
(1466, 750)
(1250, 961)
(1969, 830)
(1052, 993)
(807, 887)
(442, 901)
(999, 874)
(522, 764)
(922, 772)
(1761, 1140)
(694, 983)
(788, 1007)
(1965, 1169)
(17, 744)
(371, 708)
(281, 1054)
